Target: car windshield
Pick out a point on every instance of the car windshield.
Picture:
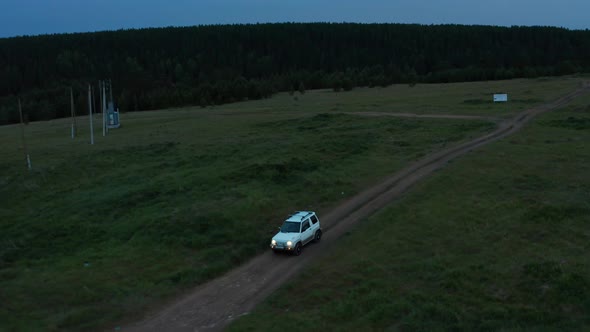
(290, 227)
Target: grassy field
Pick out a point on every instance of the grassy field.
(98, 233)
(497, 241)
(472, 98)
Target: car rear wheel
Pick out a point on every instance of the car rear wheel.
(318, 236)
(297, 250)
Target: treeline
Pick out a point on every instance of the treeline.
(207, 65)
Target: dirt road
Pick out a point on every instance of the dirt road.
(426, 116)
(213, 305)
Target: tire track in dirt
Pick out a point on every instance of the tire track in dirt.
(213, 305)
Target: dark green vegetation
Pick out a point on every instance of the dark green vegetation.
(209, 65)
(96, 234)
(496, 241)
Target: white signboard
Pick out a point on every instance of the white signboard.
(500, 97)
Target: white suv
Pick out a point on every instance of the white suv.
(297, 231)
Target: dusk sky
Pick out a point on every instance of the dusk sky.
(33, 17)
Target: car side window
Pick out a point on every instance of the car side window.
(314, 219)
(305, 226)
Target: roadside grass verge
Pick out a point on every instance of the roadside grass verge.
(496, 241)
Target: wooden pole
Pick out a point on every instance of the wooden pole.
(73, 111)
(113, 101)
(22, 125)
(90, 114)
(93, 99)
(111, 93)
(104, 103)
(104, 115)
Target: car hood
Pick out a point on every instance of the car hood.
(284, 237)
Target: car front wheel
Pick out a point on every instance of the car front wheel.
(297, 250)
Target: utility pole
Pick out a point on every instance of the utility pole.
(93, 99)
(22, 125)
(115, 109)
(104, 104)
(90, 114)
(73, 113)
(111, 92)
(102, 108)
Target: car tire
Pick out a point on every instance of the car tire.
(297, 250)
(318, 236)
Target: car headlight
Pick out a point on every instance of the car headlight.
(289, 243)
(273, 242)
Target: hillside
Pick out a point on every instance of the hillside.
(208, 65)
(177, 197)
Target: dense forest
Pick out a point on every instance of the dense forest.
(207, 65)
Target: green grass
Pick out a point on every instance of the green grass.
(497, 241)
(472, 98)
(96, 234)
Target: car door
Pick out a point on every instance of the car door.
(306, 232)
(315, 225)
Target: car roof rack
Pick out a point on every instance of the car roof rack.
(303, 216)
(307, 213)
